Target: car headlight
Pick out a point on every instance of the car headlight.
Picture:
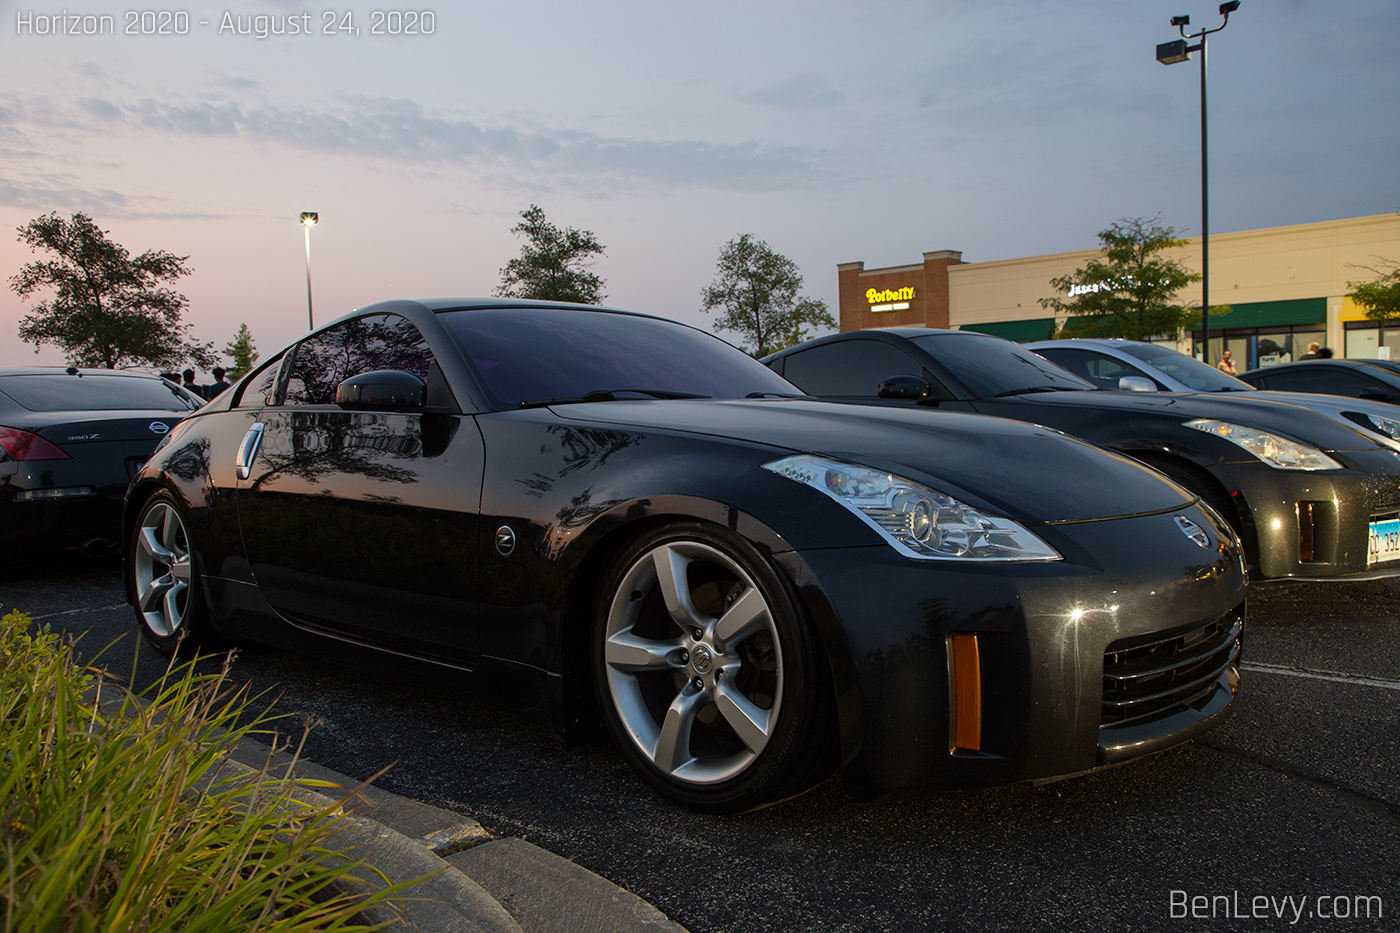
(916, 521)
(1278, 452)
(1387, 426)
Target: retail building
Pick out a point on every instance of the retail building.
(1286, 287)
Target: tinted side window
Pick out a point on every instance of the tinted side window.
(378, 341)
(848, 368)
(261, 388)
(1323, 379)
(1103, 371)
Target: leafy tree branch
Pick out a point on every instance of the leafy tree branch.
(108, 309)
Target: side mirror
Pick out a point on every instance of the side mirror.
(382, 390)
(1136, 384)
(907, 388)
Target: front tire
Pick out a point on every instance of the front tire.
(707, 675)
(165, 580)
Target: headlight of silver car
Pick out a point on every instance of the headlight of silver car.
(916, 521)
(1387, 426)
(1278, 452)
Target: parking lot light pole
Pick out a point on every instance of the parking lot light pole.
(308, 220)
(1170, 53)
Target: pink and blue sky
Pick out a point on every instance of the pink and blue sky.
(837, 130)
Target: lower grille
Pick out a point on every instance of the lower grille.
(1143, 679)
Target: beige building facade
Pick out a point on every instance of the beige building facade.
(1286, 286)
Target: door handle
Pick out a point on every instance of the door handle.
(248, 450)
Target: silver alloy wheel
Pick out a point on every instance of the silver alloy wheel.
(162, 570)
(697, 687)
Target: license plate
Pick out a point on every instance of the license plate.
(1385, 541)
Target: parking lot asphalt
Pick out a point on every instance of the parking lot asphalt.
(1286, 817)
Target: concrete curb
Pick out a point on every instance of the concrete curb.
(445, 900)
(482, 884)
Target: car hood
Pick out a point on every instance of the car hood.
(1265, 411)
(1343, 408)
(1024, 471)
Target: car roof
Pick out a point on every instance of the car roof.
(438, 305)
(1387, 366)
(1110, 345)
(1113, 342)
(72, 371)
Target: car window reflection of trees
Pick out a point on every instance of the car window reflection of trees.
(320, 444)
(325, 360)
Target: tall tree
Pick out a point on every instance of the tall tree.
(756, 288)
(108, 309)
(1379, 298)
(553, 263)
(1132, 291)
(242, 352)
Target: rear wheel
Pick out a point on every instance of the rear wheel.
(169, 602)
(707, 676)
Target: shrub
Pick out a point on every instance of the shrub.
(123, 815)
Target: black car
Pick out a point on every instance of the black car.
(1372, 380)
(578, 509)
(70, 441)
(1312, 496)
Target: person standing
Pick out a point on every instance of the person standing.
(219, 384)
(1227, 365)
(189, 385)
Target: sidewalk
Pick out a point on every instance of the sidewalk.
(484, 884)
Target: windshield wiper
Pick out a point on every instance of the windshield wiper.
(605, 395)
(1030, 389)
(774, 395)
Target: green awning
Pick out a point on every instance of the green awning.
(1271, 314)
(1041, 328)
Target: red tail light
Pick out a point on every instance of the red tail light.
(22, 445)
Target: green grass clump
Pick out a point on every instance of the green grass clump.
(117, 815)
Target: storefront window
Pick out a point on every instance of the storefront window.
(1363, 342)
(1259, 347)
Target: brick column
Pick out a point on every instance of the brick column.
(936, 285)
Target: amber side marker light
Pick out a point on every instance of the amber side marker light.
(966, 691)
(1306, 531)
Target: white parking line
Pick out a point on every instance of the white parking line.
(1340, 677)
(69, 612)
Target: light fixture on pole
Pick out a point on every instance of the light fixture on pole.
(1170, 53)
(308, 220)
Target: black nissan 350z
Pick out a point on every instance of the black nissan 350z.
(565, 505)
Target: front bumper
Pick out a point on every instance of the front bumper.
(1133, 600)
(1315, 526)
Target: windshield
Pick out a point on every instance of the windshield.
(94, 392)
(529, 354)
(991, 366)
(1186, 370)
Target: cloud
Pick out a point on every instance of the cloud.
(100, 108)
(804, 92)
(59, 193)
(402, 130)
(46, 192)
